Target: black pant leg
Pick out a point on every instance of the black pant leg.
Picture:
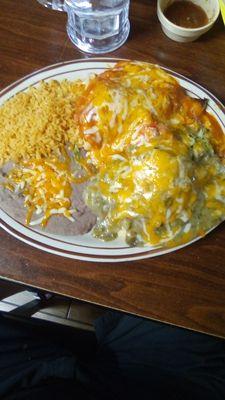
(146, 359)
(33, 352)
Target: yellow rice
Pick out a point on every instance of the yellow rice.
(36, 123)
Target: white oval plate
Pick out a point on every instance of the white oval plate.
(85, 247)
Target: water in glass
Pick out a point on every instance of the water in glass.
(98, 26)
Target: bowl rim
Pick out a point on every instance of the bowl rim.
(181, 28)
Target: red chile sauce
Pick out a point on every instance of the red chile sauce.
(186, 14)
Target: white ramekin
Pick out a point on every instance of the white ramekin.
(180, 34)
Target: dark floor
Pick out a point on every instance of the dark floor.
(60, 309)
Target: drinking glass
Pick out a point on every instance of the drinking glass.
(98, 26)
(54, 4)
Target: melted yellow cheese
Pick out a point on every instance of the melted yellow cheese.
(46, 187)
(145, 136)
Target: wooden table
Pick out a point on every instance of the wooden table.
(186, 287)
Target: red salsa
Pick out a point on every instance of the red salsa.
(186, 14)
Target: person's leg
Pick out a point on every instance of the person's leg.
(137, 357)
(32, 353)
